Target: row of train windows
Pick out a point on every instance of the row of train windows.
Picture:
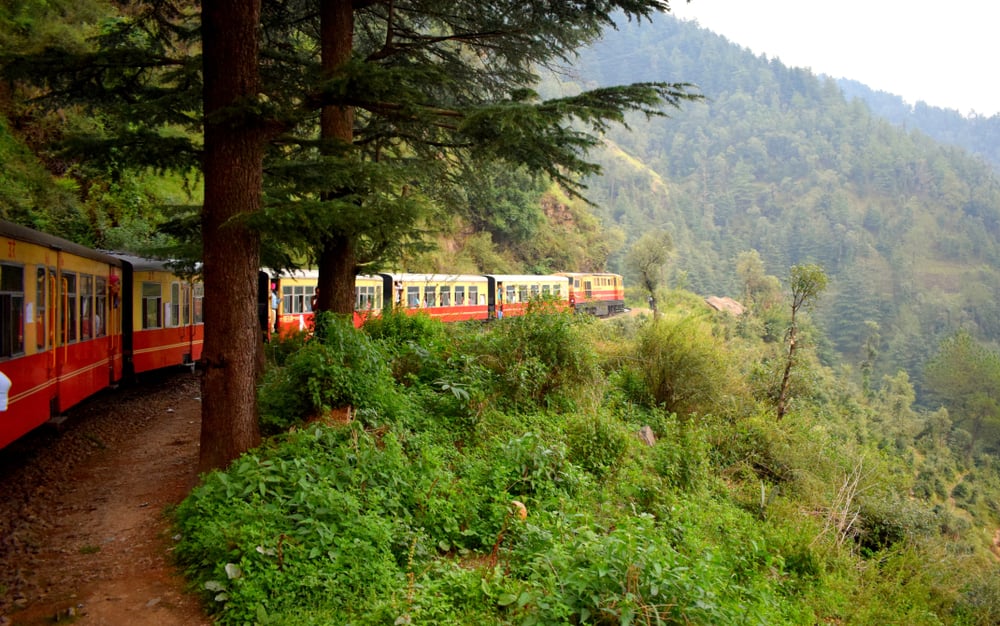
(82, 316)
(73, 307)
(185, 306)
(524, 293)
(298, 298)
(597, 281)
(435, 295)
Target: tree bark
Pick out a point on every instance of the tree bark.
(233, 170)
(337, 259)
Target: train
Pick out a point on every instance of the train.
(75, 321)
(447, 297)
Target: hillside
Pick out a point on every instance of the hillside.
(976, 133)
(779, 161)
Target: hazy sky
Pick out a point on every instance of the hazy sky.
(944, 53)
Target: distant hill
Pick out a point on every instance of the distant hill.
(780, 161)
(976, 133)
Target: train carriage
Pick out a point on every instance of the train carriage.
(596, 293)
(162, 316)
(510, 294)
(60, 326)
(447, 297)
(295, 292)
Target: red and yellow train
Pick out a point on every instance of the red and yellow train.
(75, 321)
(451, 297)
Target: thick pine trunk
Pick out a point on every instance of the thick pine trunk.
(337, 259)
(337, 269)
(233, 169)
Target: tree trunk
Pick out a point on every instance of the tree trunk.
(233, 169)
(786, 379)
(337, 259)
(337, 270)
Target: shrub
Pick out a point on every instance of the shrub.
(886, 519)
(597, 443)
(680, 455)
(540, 359)
(686, 368)
(340, 367)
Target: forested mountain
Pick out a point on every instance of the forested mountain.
(779, 161)
(976, 133)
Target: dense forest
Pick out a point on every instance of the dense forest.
(973, 131)
(779, 161)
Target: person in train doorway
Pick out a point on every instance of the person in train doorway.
(499, 301)
(314, 303)
(273, 311)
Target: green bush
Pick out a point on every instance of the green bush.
(686, 368)
(886, 519)
(598, 443)
(538, 360)
(680, 456)
(979, 603)
(340, 367)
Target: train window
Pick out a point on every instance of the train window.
(100, 305)
(523, 293)
(588, 289)
(534, 291)
(86, 306)
(185, 304)
(297, 298)
(152, 298)
(474, 295)
(446, 295)
(576, 283)
(459, 295)
(68, 319)
(199, 300)
(173, 308)
(412, 297)
(11, 310)
(41, 288)
(511, 293)
(430, 293)
(364, 298)
(546, 290)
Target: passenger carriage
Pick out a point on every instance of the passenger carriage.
(60, 326)
(162, 316)
(447, 297)
(596, 293)
(295, 293)
(510, 294)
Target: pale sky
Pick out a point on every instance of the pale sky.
(944, 53)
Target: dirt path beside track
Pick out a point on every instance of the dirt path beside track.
(83, 532)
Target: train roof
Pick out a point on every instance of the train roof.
(23, 233)
(437, 278)
(142, 264)
(528, 278)
(307, 273)
(575, 274)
